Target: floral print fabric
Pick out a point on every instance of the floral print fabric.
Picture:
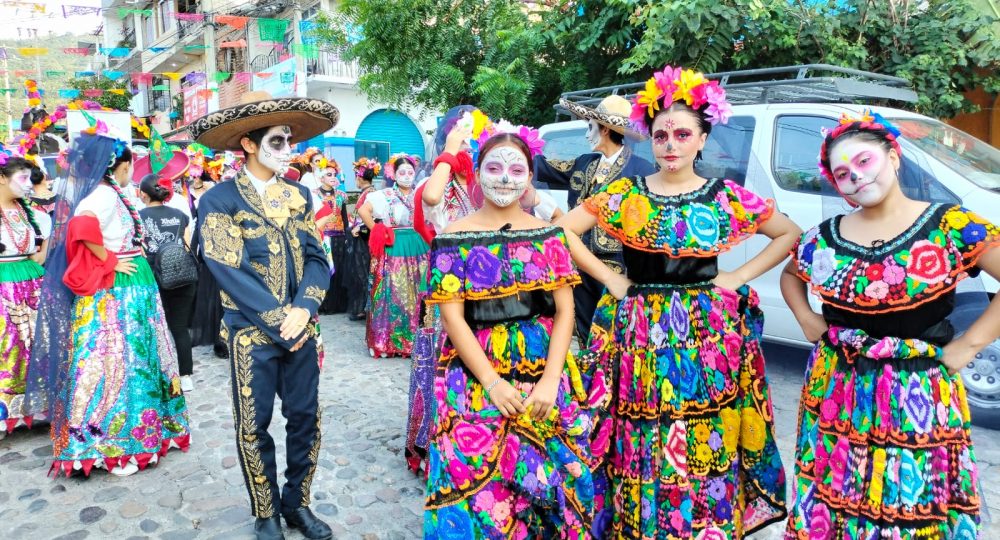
(397, 283)
(496, 477)
(120, 398)
(924, 262)
(884, 447)
(699, 224)
(20, 291)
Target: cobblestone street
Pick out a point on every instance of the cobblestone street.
(362, 488)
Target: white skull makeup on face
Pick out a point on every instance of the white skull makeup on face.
(404, 175)
(275, 151)
(504, 175)
(593, 134)
(864, 173)
(20, 183)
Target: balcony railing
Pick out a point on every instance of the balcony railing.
(330, 64)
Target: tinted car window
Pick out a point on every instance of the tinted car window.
(568, 144)
(727, 150)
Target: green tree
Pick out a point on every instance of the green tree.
(441, 53)
(111, 100)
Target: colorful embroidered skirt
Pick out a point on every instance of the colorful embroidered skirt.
(692, 450)
(423, 360)
(20, 289)
(120, 398)
(496, 477)
(884, 448)
(398, 278)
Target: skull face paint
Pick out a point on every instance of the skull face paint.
(275, 151)
(20, 183)
(504, 175)
(862, 171)
(593, 134)
(404, 176)
(677, 139)
(329, 177)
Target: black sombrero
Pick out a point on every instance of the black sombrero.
(223, 129)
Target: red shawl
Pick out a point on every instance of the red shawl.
(85, 273)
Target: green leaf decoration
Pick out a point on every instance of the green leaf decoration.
(116, 424)
(110, 450)
(172, 426)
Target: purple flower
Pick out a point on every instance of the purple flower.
(714, 440)
(532, 272)
(716, 488)
(483, 267)
(615, 202)
(678, 316)
(680, 229)
(444, 262)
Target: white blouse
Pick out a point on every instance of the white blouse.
(117, 226)
(17, 235)
(388, 205)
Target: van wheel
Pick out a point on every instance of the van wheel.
(982, 376)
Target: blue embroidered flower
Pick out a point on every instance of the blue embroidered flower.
(452, 524)
(807, 253)
(704, 225)
(973, 233)
(3, 411)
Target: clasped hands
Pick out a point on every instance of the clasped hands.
(539, 404)
(294, 325)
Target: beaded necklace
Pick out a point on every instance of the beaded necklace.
(17, 230)
(136, 220)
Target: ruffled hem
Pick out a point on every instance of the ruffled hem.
(182, 443)
(10, 424)
(26, 270)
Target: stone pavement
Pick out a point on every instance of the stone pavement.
(362, 488)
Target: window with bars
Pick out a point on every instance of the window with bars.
(158, 100)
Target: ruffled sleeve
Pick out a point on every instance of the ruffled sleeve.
(802, 253)
(971, 234)
(747, 210)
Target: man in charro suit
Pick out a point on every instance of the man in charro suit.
(608, 125)
(260, 241)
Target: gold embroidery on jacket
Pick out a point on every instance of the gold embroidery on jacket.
(223, 240)
(317, 294)
(273, 317)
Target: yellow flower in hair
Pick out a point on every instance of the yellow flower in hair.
(650, 97)
(688, 80)
(479, 123)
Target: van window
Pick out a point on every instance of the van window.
(727, 150)
(796, 153)
(566, 145)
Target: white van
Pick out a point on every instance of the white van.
(772, 149)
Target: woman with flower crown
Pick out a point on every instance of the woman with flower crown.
(884, 447)
(357, 271)
(331, 218)
(104, 362)
(509, 454)
(399, 262)
(692, 451)
(23, 230)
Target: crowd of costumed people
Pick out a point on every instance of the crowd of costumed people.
(580, 373)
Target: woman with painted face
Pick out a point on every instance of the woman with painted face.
(105, 362)
(692, 452)
(509, 455)
(357, 271)
(333, 228)
(22, 252)
(884, 446)
(399, 262)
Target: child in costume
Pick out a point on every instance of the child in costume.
(332, 221)
(22, 252)
(884, 448)
(692, 453)
(509, 454)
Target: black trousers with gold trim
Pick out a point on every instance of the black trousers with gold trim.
(261, 370)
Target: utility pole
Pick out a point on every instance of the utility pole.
(299, 81)
(6, 85)
(210, 57)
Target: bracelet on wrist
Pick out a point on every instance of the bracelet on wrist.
(492, 385)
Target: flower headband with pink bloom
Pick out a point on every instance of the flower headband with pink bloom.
(390, 165)
(678, 84)
(363, 164)
(528, 134)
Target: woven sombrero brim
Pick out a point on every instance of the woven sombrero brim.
(614, 122)
(175, 167)
(223, 129)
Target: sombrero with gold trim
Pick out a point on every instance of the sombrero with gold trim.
(223, 129)
(612, 112)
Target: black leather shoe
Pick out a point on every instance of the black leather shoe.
(308, 524)
(357, 317)
(268, 528)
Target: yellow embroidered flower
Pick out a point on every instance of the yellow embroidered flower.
(752, 433)
(730, 428)
(878, 471)
(701, 432)
(656, 312)
(666, 390)
(688, 80)
(619, 186)
(945, 391)
(635, 214)
(650, 97)
(739, 212)
(703, 453)
(450, 283)
(956, 219)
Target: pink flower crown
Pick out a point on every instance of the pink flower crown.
(528, 134)
(363, 164)
(677, 84)
(390, 167)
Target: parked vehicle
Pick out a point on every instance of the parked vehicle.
(771, 145)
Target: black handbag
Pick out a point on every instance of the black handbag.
(174, 266)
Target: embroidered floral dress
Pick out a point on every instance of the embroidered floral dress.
(20, 291)
(692, 451)
(884, 448)
(398, 277)
(490, 476)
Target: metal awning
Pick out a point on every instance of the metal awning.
(812, 83)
